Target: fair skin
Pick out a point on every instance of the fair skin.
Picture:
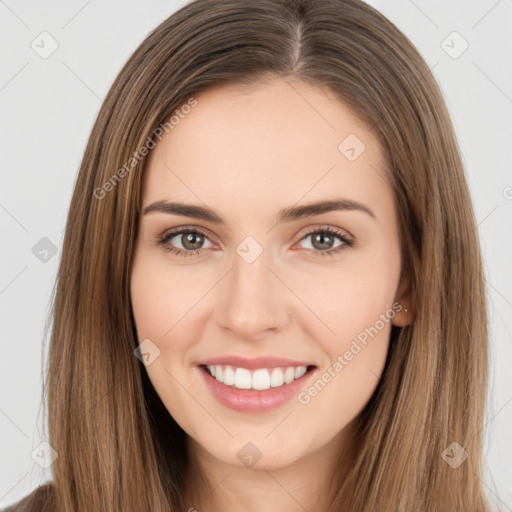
(247, 153)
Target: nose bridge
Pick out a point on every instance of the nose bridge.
(251, 302)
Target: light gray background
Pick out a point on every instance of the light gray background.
(49, 105)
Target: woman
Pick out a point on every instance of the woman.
(251, 139)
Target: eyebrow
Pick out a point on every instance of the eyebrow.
(285, 215)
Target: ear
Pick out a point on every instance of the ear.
(404, 315)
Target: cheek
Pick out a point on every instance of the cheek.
(165, 304)
(355, 302)
(161, 297)
(149, 297)
(350, 298)
(359, 312)
(159, 309)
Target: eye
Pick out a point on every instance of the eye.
(191, 240)
(322, 240)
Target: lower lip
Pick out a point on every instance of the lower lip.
(247, 400)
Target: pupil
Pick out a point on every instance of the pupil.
(321, 237)
(189, 239)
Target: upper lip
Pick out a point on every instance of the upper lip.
(253, 363)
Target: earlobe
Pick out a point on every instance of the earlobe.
(403, 314)
(402, 317)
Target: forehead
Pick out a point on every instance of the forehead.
(274, 141)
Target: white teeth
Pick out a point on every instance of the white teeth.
(229, 376)
(242, 378)
(259, 379)
(289, 374)
(300, 371)
(277, 378)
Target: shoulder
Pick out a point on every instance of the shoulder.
(39, 500)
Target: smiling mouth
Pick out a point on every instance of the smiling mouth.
(259, 379)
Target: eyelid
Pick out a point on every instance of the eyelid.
(169, 233)
(328, 228)
(308, 230)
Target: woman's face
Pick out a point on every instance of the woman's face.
(260, 281)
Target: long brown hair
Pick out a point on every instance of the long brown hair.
(118, 447)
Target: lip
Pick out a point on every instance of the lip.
(247, 400)
(253, 363)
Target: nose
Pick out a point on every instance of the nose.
(252, 302)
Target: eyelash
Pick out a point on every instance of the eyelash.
(164, 239)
